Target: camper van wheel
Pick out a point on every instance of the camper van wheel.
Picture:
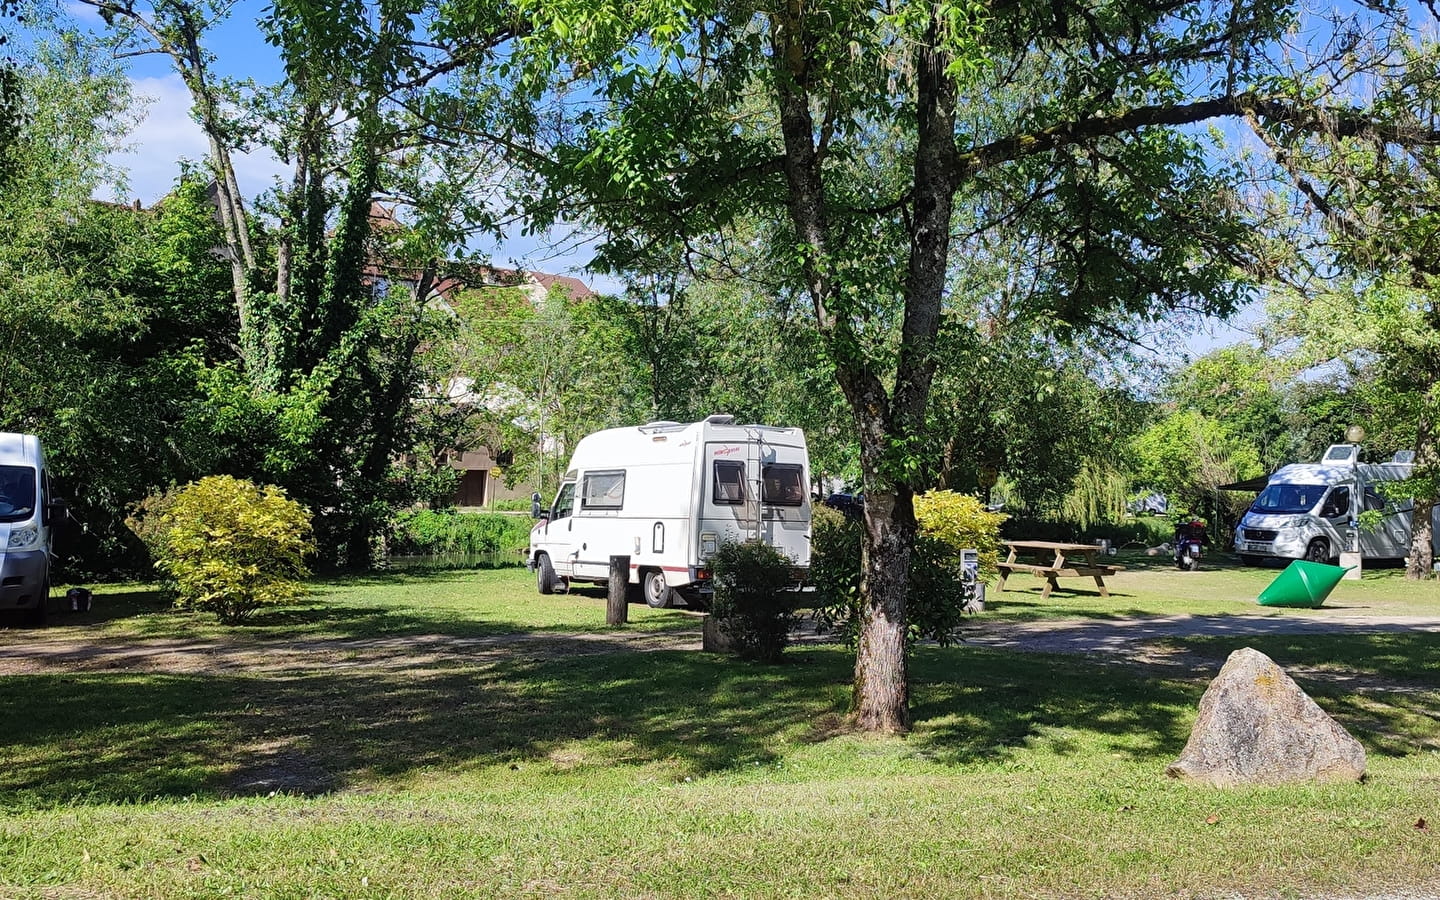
(544, 574)
(657, 593)
(1318, 551)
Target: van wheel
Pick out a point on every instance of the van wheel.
(544, 574)
(657, 593)
(1318, 551)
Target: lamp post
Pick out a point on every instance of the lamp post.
(1354, 435)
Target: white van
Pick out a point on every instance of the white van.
(667, 495)
(1310, 511)
(27, 507)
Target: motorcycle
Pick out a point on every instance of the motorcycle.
(1188, 538)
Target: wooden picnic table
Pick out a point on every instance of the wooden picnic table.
(1051, 560)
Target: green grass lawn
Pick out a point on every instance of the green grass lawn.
(677, 773)
(458, 603)
(1151, 586)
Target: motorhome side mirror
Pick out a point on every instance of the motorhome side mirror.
(59, 509)
(535, 511)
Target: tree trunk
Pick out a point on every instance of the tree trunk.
(1427, 461)
(881, 699)
(886, 424)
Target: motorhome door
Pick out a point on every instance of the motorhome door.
(1337, 513)
(1390, 539)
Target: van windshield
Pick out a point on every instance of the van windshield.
(1288, 498)
(17, 493)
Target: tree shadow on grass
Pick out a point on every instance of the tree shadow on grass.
(1001, 700)
(106, 738)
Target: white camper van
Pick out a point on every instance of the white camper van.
(667, 495)
(26, 510)
(1310, 510)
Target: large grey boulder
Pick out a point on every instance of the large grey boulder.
(1257, 727)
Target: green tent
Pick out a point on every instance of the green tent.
(1303, 583)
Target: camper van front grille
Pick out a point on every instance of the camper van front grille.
(1256, 534)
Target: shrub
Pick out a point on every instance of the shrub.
(448, 531)
(145, 518)
(753, 603)
(959, 522)
(232, 547)
(937, 591)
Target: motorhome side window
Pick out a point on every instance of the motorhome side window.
(1337, 504)
(729, 481)
(1373, 500)
(784, 485)
(603, 490)
(564, 501)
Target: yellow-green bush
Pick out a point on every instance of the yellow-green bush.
(960, 521)
(232, 547)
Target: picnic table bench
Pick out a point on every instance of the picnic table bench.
(1051, 560)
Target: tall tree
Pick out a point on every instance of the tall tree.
(107, 313)
(1057, 114)
(330, 290)
(1372, 187)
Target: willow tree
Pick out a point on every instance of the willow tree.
(877, 138)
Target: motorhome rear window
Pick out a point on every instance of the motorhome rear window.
(17, 493)
(1288, 498)
(729, 482)
(784, 484)
(603, 490)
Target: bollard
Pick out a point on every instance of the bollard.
(616, 610)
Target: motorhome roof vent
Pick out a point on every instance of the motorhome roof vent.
(1341, 453)
(1404, 457)
(720, 420)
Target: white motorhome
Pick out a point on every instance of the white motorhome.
(667, 495)
(1311, 510)
(27, 508)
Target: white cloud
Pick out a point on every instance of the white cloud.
(167, 135)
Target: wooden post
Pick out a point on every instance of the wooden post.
(616, 610)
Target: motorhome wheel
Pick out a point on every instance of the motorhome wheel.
(544, 574)
(1318, 551)
(657, 593)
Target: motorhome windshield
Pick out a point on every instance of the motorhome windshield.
(1288, 498)
(17, 493)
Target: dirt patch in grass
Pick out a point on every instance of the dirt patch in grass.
(1151, 642)
(44, 654)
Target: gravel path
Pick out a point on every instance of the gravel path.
(1127, 640)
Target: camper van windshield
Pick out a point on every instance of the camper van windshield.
(17, 493)
(1288, 498)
